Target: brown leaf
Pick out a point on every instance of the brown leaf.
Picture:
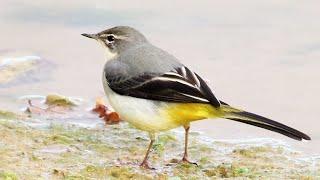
(110, 117)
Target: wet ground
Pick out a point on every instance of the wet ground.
(263, 57)
(69, 148)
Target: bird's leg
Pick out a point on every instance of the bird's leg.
(145, 163)
(185, 155)
(186, 135)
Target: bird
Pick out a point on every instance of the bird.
(153, 91)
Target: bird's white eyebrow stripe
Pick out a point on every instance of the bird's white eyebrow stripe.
(116, 36)
(105, 35)
(121, 37)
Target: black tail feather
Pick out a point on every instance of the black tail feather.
(260, 121)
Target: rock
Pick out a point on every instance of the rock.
(18, 67)
(59, 100)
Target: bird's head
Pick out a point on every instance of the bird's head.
(118, 39)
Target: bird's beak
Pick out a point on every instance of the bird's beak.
(93, 36)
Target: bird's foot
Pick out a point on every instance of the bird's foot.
(145, 165)
(186, 161)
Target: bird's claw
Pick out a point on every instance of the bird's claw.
(185, 160)
(145, 165)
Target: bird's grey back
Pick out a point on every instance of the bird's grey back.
(144, 58)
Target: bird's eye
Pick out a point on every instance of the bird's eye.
(110, 38)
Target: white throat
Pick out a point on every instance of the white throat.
(109, 55)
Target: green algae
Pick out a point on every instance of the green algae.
(8, 115)
(161, 142)
(230, 171)
(252, 152)
(114, 173)
(8, 176)
(114, 152)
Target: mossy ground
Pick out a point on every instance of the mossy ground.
(115, 151)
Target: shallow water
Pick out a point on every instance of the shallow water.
(260, 56)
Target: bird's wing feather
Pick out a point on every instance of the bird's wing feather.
(178, 85)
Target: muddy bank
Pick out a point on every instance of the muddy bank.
(34, 148)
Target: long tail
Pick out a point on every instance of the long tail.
(262, 122)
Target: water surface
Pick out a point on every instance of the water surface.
(260, 56)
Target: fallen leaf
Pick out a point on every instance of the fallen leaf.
(112, 118)
(109, 116)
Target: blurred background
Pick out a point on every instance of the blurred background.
(261, 56)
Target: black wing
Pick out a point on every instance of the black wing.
(179, 85)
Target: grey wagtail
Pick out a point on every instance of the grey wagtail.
(153, 91)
